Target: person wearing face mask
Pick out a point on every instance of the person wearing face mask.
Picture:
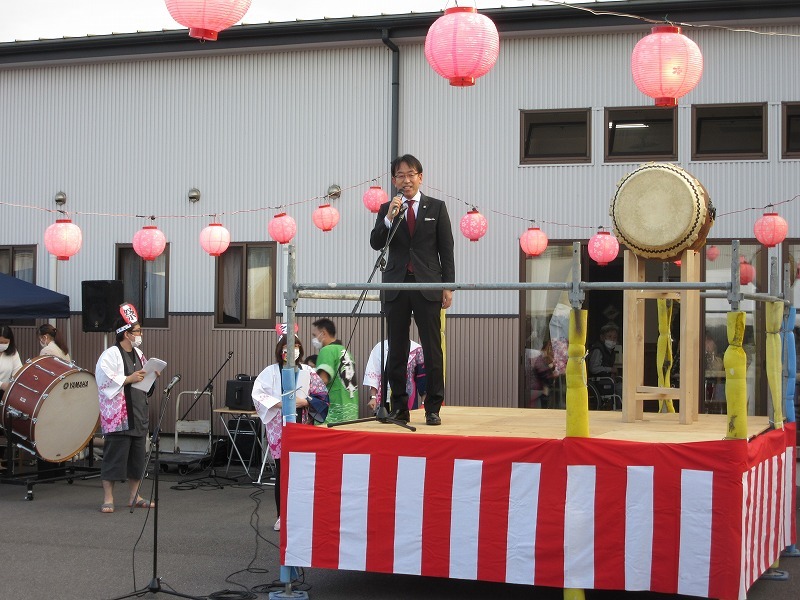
(267, 398)
(124, 418)
(603, 357)
(337, 369)
(10, 361)
(52, 343)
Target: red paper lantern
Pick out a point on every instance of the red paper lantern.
(206, 18)
(771, 229)
(603, 248)
(63, 239)
(282, 228)
(215, 239)
(325, 217)
(666, 65)
(533, 242)
(149, 242)
(474, 225)
(462, 45)
(712, 253)
(747, 273)
(374, 197)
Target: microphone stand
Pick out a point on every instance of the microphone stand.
(209, 387)
(154, 587)
(382, 414)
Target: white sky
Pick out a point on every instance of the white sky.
(47, 19)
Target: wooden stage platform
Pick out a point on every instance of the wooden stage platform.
(551, 424)
(502, 495)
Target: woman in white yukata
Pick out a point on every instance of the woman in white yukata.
(267, 395)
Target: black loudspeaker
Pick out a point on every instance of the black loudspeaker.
(101, 300)
(238, 394)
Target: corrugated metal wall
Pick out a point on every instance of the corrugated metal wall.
(481, 367)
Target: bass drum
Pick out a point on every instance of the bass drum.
(51, 408)
(660, 210)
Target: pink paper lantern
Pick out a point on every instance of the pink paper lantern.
(206, 18)
(474, 225)
(603, 248)
(533, 242)
(374, 197)
(462, 45)
(666, 65)
(771, 229)
(712, 253)
(747, 273)
(63, 239)
(282, 228)
(149, 242)
(215, 239)
(325, 217)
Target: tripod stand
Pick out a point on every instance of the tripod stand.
(209, 387)
(382, 414)
(154, 587)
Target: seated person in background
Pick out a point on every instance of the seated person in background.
(541, 374)
(603, 356)
(415, 375)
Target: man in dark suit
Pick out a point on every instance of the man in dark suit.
(420, 252)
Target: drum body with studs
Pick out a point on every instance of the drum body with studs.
(660, 210)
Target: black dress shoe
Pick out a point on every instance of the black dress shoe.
(400, 414)
(432, 419)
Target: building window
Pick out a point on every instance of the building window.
(245, 295)
(791, 130)
(145, 284)
(19, 262)
(634, 134)
(555, 136)
(729, 132)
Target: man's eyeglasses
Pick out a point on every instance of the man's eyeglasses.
(404, 176)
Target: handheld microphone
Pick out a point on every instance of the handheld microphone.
(399, 210)
(175, 380)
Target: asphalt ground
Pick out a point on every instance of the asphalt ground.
(210, 539)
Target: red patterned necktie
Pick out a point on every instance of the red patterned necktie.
(411, 217)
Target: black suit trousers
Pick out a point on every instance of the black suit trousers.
(427, 316)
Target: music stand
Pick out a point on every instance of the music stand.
(154, 587)
(209, 387)
(382, 414)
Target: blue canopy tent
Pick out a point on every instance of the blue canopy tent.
(22, 300)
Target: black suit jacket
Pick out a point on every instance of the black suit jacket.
(430, 250)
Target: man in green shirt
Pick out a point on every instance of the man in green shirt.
(337, 369)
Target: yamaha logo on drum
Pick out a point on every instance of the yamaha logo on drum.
(71, 385)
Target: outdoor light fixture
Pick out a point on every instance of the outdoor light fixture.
(533, 242)
(282, 228)
(462, 45)
(603, 247)
(374, 197)
(326, 217)
(206, 18)
(473, 225)
(61, 198)
(149, 242)
(194, 195)
(63, 239)
(666, 65)
(771, 229)
(215, 239)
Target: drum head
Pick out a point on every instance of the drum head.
(659, 210)
(68, 417)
